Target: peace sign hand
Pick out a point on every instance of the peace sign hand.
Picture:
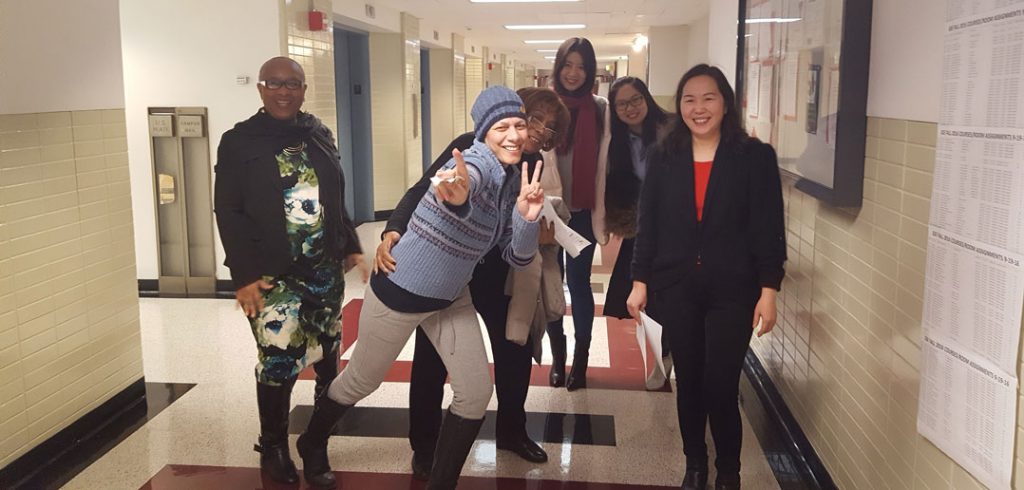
(454, 186)
(531, 196)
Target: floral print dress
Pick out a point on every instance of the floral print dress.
(300, 320)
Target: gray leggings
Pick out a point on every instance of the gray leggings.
(455, 333)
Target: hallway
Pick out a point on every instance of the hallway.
(613, 435)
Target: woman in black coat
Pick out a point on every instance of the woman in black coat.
(708, 262)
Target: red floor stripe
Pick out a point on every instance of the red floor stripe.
(626, 371)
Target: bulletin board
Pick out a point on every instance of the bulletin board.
(802, 81)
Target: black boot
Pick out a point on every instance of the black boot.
(273, 403)
(326, 370)
(578, 375)
(421, 463)
(453, 445)
(730, 481)
(557, 376)
(312, 444)
(695, 479)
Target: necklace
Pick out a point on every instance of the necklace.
(292, 150)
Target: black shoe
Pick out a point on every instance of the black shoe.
(557, 376)
(729, 481)
(273, 403)
(524, 447)
(695, 479)
(578, 375)
(453, 445)
(312, 444)
(421, 465)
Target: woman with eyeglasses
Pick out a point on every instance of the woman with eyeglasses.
(547, 119)
(581, 162)
(636, 123)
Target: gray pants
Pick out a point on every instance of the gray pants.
(455, 333)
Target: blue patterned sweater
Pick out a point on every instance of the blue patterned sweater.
(443, 243)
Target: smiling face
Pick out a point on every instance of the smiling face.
(573, 74)
(506, 139)
(702, 107)
(282, 102)
(630, 107)
(538, 132)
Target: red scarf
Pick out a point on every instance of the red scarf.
(584, 149)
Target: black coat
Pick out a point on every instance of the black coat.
(741, 237)
(249, 195)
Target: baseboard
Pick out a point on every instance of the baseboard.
(382, 215)
(150, 288)
(793, 460)
(20, 472)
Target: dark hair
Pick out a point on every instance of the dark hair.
(656, 116)
(620, 159)
(585, 49)
(582, 46)
(546, 100)
(680, 138)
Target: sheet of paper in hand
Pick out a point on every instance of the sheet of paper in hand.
(572, 242)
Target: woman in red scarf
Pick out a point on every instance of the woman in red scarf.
(581, 164)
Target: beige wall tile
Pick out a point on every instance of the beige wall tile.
(18, 122)
(53, 120)
(921, 157)
(891, 151)
(49, 319)
(85, 118)
(859, 403)
(922, 133)
(893, 129)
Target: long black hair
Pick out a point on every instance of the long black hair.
(622, 188)
(582, 46)
(680, 139)
(655, 118)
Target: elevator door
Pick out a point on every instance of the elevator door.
(184, 204)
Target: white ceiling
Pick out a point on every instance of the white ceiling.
(611, 24)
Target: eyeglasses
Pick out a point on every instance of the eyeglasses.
(290, 84)
(547, 135)
(634, 102)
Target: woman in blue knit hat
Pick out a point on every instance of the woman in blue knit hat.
(481, 199)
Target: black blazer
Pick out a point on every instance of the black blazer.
(742, 234)
(249, 196)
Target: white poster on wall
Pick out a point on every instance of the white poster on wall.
(974, 282)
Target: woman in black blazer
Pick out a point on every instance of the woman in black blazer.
(708, 261)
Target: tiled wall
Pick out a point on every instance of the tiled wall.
(460, 115)
(846, 352)
(411, 96)
(474, 85)
(69, 317)
(314, 50)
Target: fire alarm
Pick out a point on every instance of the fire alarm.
(490, 66)
(317, 21)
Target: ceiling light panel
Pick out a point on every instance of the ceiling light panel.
(531, 27)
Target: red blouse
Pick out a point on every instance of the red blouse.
(701, 174)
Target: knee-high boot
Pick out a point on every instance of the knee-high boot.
(312, 444)
(326, 370)
(557, 376)
(580, 358)
(273, 403)
(453, 445)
